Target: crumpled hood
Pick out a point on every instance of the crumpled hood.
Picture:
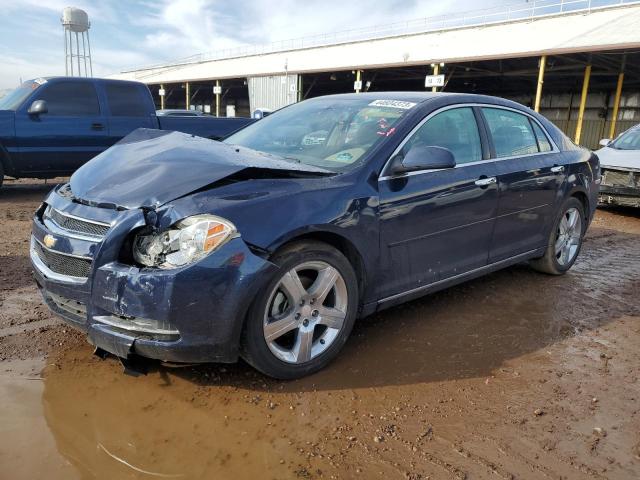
(149, 168)
(612, 158)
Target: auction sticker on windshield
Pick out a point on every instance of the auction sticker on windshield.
(392, 104)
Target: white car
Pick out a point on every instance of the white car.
(620, 164)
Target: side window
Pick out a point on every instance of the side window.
(73, 99)
(125, 100)
(511, 132)
(543, 141)
(455, 129)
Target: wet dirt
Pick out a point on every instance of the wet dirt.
(515, 375)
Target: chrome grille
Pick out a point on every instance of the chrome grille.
(76, 225)
(61, 263)
(620, 178)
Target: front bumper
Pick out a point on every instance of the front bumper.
(191, 314)
(622, 196)
(620, 186)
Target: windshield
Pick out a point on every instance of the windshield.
(630, 140)
(13, 99)
(329, 132)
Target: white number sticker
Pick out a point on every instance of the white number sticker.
(392, 104)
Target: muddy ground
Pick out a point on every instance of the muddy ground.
(515, 375)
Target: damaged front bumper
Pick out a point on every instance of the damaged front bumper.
(190, 314)
(621, 196)
(619, 187)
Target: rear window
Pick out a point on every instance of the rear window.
(543, 141)
(72, 99)
(125, 100)
(512, 133)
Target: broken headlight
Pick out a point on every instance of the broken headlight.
(185, 242)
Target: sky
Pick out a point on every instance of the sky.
(133, 33)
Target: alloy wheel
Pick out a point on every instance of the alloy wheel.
(568, 236)
(305, 312)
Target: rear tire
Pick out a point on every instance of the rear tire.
(565, 239)
(302, 318)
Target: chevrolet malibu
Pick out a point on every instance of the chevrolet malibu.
(269, 245)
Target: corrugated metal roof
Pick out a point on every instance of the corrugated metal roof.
(604, 29)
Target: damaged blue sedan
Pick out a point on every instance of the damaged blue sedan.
(269, 245)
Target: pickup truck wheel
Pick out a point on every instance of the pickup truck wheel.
(565, 240)
(301, 320)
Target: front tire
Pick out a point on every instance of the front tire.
(302, 319)
(565, 239)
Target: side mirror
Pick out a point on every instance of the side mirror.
(38, 107)
(604, 142)
(425, 158)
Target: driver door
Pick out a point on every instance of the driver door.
(436, 224)
(72, 132)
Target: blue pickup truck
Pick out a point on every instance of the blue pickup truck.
(49, 127)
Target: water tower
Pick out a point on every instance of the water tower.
(77, 48)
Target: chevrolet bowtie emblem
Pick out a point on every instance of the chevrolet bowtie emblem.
(49, 241)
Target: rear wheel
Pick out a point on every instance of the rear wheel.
(301, 320)
(565, 240)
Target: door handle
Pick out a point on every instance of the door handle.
(485, 182)
(557, 169)
(97, 126)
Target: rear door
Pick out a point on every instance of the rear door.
(530, 172)
(436, 224)
(72, 132)
(130, 107)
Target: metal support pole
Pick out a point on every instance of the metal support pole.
(583, 102)
(162, 97)
(616, 105)
(543, 63)
(299, 96)
(78, 54)
(358, 79)
(84, 56)
(436, 71)
(66, 55)
(616, 102)
(90, 61)
(187, 95)
(71, 52)
(217, 100)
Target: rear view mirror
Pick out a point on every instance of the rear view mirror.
(604, 142)
(425, 158)
(38, 107)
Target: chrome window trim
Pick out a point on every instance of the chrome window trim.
(44, 270)
(383, 176)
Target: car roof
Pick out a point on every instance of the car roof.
(79, 79)
(422, 97)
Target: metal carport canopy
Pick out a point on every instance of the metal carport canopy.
(602, 29)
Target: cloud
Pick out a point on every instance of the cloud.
(127, 34)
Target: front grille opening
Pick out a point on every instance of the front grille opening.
(76, 225)
(61, 263)
(620, 178)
